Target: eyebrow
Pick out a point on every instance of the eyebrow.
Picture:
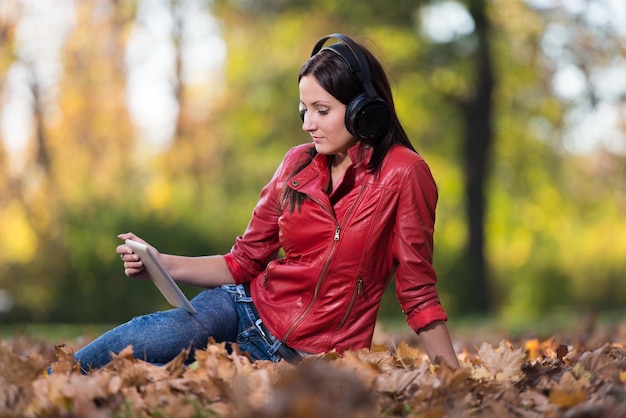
(317, 103)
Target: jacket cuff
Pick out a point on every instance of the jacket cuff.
(239, 273)
(419, 320)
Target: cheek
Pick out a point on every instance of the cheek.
(339, 125)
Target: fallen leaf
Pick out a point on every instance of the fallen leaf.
(503, 363)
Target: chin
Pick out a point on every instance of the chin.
(321, 149)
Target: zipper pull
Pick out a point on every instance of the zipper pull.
(265, 280)
(337, 231)
(359, 285)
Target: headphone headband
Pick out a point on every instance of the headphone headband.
(355, 60)
(367, 116)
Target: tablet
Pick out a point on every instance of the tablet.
(160, 277)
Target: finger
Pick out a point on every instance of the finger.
(132, 237)
(131, 260)
(127, 235)
(133, 271)
(123, 249)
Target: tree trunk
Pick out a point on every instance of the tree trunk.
(478, 138)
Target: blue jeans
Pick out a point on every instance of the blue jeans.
(223, 313)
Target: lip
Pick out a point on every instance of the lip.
(316, 139)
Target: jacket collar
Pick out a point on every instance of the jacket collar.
(316, 174)
(359, 155)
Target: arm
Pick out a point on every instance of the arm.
(206, 271)
(437, 343)
(248, 256)
(415, 276)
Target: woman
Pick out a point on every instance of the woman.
(351, 209)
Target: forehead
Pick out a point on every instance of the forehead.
(312, 92)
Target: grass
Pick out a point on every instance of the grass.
(464, 329)
(54, 332)
(565, 325)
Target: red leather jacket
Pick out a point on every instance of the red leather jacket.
(341, 250)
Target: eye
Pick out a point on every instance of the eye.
(323, 111)
(302, 111)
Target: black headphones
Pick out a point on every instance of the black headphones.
(367, 115)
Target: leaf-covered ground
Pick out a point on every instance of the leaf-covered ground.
(527, 378)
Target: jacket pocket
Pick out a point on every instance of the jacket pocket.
(358, 291)
(271, 266)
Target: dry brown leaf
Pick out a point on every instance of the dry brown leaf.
(65, 362)
(503, 363)
(320, 389)
(66, 392)
(380, 361)
(365, 365)
(135, 372)
(534, 400)
(176, 367)
(19, 369)
(10, 396)
(396, 382)
(603, 363)
(569, 391)
(375, 348)
(406, 352)
(441, 387)
(558, 381)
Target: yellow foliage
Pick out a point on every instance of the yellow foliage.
(567, 399)
(159, 193)
(17, 241)
(532, 349)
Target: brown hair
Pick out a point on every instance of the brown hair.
(332, 73)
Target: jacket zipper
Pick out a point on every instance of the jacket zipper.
(336, 238)
(358, 291)
(321, 276)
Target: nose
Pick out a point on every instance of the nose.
(307, 122)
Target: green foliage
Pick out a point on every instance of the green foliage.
(553, 219)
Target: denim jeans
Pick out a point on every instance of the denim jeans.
(223, 313)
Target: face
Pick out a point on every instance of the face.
(324, 118)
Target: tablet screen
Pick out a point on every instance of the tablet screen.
(160, 277)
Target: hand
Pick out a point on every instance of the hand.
(133, 266)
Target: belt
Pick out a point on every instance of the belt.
(289, 354)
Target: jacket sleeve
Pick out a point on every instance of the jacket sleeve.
(259, 243)
(416, 279)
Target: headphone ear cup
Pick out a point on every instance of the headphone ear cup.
(367, 118)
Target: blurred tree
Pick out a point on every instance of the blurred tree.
(9, 15)
(556, 176)
(8, 18)
(76, 164)
(497, 102)
(545, 212)
(477, 110)
(474, 102)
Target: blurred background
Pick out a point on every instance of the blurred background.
(166, 118)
